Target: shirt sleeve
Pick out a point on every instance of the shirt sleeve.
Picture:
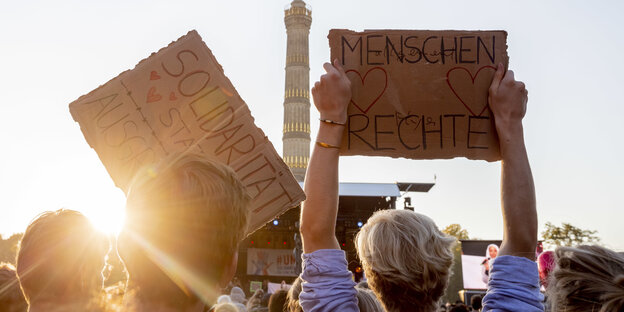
(327, 284)
(513, 286)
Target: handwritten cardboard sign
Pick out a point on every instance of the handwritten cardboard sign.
(176, 100)
(420, 94)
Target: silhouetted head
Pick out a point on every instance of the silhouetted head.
(185, 219)
(61, 258)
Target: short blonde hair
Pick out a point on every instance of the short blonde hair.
(406, 259)
(61, 255)
(586, 278)
(185, 219)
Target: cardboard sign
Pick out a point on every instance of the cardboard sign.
(420, 94)
(179, 99)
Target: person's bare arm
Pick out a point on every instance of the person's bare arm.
(318, 212)
(508, 100)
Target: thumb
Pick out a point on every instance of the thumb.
(498, 77)
(338, 66)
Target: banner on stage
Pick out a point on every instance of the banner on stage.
(177, 100)
(420, 94)
(270, 262)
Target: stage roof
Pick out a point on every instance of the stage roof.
(380, 189)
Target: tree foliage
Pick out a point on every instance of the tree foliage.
(456, 231)
(568, 235)
(8, 248)
(456, 280)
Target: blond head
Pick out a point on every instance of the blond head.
(586, 278)
(61, 257)
(185, 218)
(406, 259)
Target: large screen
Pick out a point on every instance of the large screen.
(477, 255)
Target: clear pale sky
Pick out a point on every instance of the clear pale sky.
(569, 54)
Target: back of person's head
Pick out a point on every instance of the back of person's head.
(459, 307)
(226, 307)
(277, 302)
(406, 259)
(587, 278)
(11, 297)
(292, 298)
(362, 284)
(476, 302)
(367, 301)
(238, 295)
(185, 217)
(545, 265)
(61, 258)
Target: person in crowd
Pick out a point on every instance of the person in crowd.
(475, 302)
(459, 307)
(367, 301)
(405, 257)
(238, 298)
(292, 299)
(490, 254)
(185, 217)
(277, 302)
(545, 265)
(60, 261)
(586, 278)
(225, 307)
(11, 297)
(254, 304)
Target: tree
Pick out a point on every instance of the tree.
(456, 280)
(456, 231)
(568, 235)
(8, 248)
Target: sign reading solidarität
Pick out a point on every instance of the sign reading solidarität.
(420, 94)
(179, 99)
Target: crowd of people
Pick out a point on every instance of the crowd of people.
(186, 216)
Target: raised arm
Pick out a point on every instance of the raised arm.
(327, 283)
(318, 212)
(514, 281)
(508, 101)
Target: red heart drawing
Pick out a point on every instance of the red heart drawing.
(366, 99)
(466, 95)
(172, 97)
(154, 75)
(152, 96)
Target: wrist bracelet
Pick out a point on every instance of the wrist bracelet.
(325, 145)
(331, 122)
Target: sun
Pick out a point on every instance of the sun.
(108, 223)
(107, 214)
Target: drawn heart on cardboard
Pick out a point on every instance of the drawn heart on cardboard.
(474, 103)
(152, 96)
(154, 75)
(172, 96)
(367, 92)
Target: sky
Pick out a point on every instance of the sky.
(567, 52)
